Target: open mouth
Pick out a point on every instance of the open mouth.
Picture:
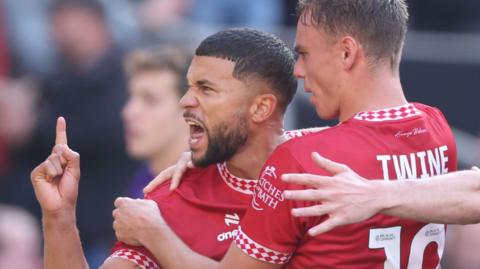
(197, 131)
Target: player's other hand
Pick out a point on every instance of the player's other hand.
(55, 181)
(135, 219)
(345, 196)
(174, 172)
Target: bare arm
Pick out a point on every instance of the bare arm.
(63, 248)
(451, 198)
(139, 221)
(55, 182)
(348, 198)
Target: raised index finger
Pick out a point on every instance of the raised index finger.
(61, 133)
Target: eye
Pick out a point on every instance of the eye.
(150, 99)
(300, 55)
(206, 89)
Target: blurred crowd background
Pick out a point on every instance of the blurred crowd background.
(67, 58)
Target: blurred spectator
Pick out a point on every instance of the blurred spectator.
(18, 100)
(265, 15)
(89, 89)
(4, 72)
(4, 59)
(27, 26)
(165, 21)
(155, 130)
(20, 246)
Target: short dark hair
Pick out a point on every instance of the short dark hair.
(380, 25)
(257, 55)
(159, 59)
(94, 6)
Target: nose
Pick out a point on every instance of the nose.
(188, 100)
(299, 68)
(127, 110)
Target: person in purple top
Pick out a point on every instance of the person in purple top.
(155, 131)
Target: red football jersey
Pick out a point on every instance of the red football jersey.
(411, 141)
(204, 211)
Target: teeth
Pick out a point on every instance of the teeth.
(192, 123)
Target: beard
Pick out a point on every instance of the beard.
(224, 140)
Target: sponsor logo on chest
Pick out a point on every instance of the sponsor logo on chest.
(231, 220)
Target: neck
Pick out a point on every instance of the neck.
(250, 158)
(168, 156)
(383, 85)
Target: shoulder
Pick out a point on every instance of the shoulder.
(312, 139)
(430, 110)
(191, 177)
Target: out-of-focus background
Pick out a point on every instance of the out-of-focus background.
(66, 58)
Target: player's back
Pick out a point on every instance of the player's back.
(414, 144)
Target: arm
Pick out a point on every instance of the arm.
(140, 222)
(348, 198)
(55, 182)
(451, 198)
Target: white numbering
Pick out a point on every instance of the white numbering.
(389, 240)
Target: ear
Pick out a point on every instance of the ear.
(349, 47)
(263, 107)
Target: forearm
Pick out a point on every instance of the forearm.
(452, 198)
(172, 252)
(63, 248)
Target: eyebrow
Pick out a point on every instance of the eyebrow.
(204, 82)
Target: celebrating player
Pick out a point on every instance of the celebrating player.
(349, 53)
(240, 83)
(347, 198)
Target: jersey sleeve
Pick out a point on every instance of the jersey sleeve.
(268, 232)
(137, 255)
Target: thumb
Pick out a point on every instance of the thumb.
(328, 165)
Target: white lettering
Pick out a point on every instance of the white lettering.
(412, 165)
(421, 155)
(227, 235)
(403, 167)
(384, 159)
(434, 162)
(444, 159)
(266, 192)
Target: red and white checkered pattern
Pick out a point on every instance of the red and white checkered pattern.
(239, 184)
(259, 252)
(394, 113)
(136, 257)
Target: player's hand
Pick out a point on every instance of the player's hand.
(174, 172)
(135, 219)
(55, 181)
(345, 196)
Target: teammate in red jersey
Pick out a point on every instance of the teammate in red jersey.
(373, 147)
(349, 54)
(244, 69)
